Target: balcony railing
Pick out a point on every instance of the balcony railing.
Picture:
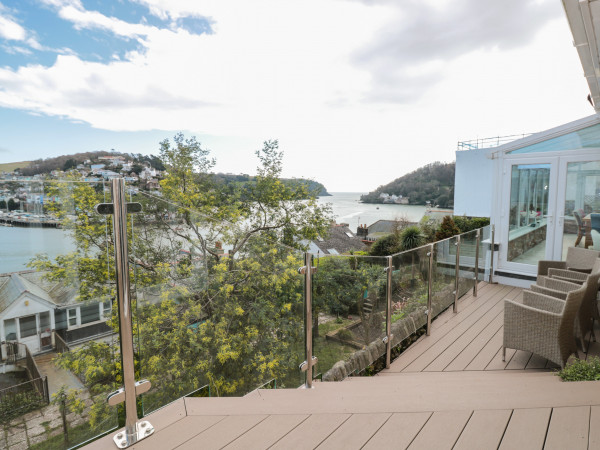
(193, 312)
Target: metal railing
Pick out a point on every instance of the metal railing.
(438, 255)
(489, 142)
(387, 299)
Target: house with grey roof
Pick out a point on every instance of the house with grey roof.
(32, 308)
(339, 240)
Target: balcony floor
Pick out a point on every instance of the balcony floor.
(448, 390)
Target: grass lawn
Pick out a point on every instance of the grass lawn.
(9, 167)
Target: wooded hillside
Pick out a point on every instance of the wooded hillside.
(433, 182)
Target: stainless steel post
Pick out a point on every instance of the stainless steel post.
(430, 290)
(476, 263)
(388, 323)
(308, 364)
(125, 316)
(134, 430)
(492, 248)
(456, 274)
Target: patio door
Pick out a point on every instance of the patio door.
(578, 197)
(528, 212)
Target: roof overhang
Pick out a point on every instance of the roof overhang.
(584, 20)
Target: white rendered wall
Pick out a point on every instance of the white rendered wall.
(473, 185)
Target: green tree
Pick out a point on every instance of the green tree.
(447, 229)
(227, 319)
(386, 245)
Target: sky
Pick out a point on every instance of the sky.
(358, 92)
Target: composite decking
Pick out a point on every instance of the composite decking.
(449, 390)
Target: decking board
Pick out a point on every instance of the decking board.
(453, 332)
(568, 428)
(267, 432)
(222, 433)
(398, 431)
(310, 433)
(441, 431)
(484, 430)
(355, 431)
(526, 429)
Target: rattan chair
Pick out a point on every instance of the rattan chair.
(559, 288)
(543, 325)
(578, 259)
(581, 228)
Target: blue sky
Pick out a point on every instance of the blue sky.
(358, 92)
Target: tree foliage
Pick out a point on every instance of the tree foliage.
(433, 182)
(228, 318)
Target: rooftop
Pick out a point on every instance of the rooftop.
(448, 390)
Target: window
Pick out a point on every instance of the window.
(72, 317)
(106, 307)
(89, 313)
(10, 330)
(27, 326)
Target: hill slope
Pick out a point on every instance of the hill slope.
(433, 182)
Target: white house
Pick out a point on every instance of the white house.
(32, 307)
(536, 189)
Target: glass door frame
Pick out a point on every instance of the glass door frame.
(587, 156)
(526, 159)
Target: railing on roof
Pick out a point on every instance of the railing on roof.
(489, 142)
(237, 330)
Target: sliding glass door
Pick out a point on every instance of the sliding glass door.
(528, 212)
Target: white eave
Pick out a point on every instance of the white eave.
(584, 20)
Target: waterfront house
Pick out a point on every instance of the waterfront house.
(32, 308)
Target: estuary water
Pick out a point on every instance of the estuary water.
(19, 245)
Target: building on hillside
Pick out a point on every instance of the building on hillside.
(540, 190)
(339, 240)
(31, 308)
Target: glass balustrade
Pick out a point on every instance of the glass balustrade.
(410, 282)
(213, 314)
(59, 337)
(349, 312)
(466, 270)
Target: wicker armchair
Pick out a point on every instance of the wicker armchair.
(588, 312)
(578, 259)
(543, 325)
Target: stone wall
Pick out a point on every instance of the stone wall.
(521, 244)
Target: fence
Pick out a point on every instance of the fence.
(22, 398)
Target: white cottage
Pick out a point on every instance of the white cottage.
(31, 308)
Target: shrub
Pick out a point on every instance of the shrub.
(385, 246)
(581, 370)
(447, 229)
(466, 224)
(345, 335)
(411, 237)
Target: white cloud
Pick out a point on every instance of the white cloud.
(308, 72)
(9, 29)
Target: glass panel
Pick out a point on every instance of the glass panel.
(582, 198)
(528, 206)
(219, 312)
(466, 275)
(72, 315)
(57, 248)
(89, 313)
(485, 253)
(349, 303)
(27, 326)
(10, 330)
(410, 284)
(586, 138)
(444, 266)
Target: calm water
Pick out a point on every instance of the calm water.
(348, 209)
(19, 245)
